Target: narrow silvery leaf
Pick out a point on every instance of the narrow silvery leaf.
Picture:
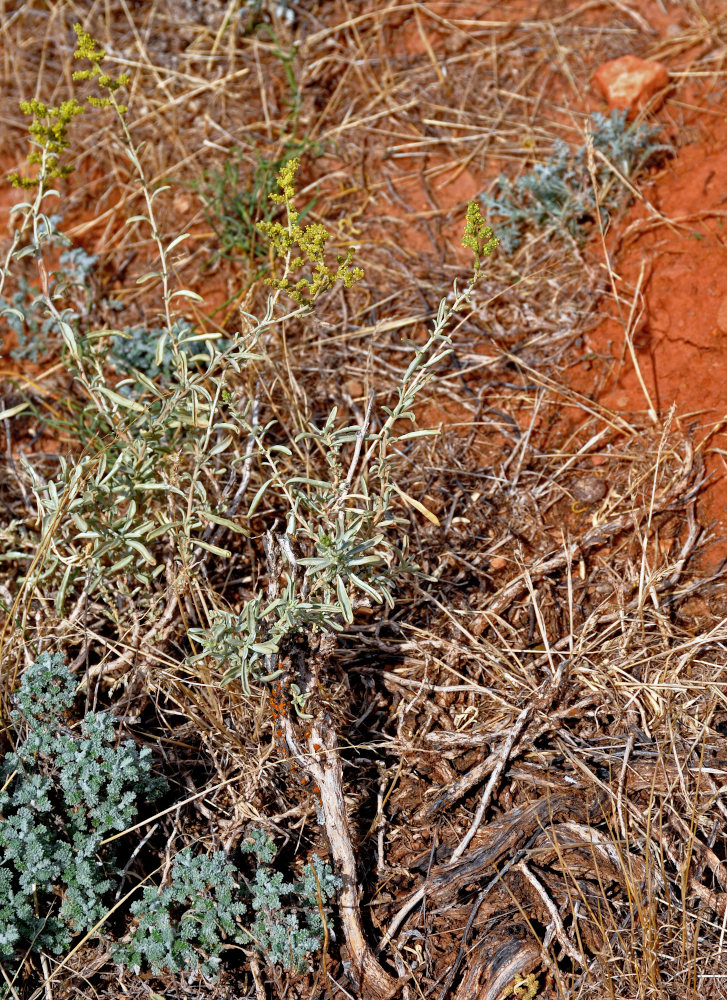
(159, 355)
(158, 191)
(367, 588)
(344, 600)
(13, 411)
(68, 337)
(258, 497)
(214, 549)
(176, 241)
(225, 523)
(142, 550)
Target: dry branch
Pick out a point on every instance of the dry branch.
(323, 763)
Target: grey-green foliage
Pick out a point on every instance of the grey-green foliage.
(110, 514)
(184, 925)
(288, 925)
(558, 195)
(25, 313)
(64, 790)
(134, 349)
(181, 926)
(339, 548)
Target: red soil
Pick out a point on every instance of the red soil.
(670, 295)
(668, 261)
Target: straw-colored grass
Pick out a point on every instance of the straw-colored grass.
(520, 768)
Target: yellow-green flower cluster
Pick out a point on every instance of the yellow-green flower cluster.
(49, 127)
(311, 241)
(478, 236)
(88, 48)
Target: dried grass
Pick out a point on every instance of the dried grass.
(555, 684)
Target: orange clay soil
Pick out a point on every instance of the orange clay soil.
(669, 299)
(667, 259)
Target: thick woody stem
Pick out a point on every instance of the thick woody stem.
(323, 764)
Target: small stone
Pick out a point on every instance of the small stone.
(590, 489)
(498, 562)
(722, 315)
(629, 83)
(354, 388)
(182, 204)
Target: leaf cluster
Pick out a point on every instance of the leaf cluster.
(289, 916)
(559, 196)
(182, 926)
(64, 788)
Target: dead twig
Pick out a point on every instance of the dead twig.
(323, 763)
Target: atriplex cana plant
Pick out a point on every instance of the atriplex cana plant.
(146, 493)
(343, 542)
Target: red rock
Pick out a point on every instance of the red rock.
(629, 83)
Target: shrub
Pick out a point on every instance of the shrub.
(62, 793)
(558, 195)
(146, 486)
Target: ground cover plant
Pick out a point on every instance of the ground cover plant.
(412, 630)
(562, 195)
(64, 793)
(61, 796)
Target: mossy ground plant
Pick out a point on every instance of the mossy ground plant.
(67, 789)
